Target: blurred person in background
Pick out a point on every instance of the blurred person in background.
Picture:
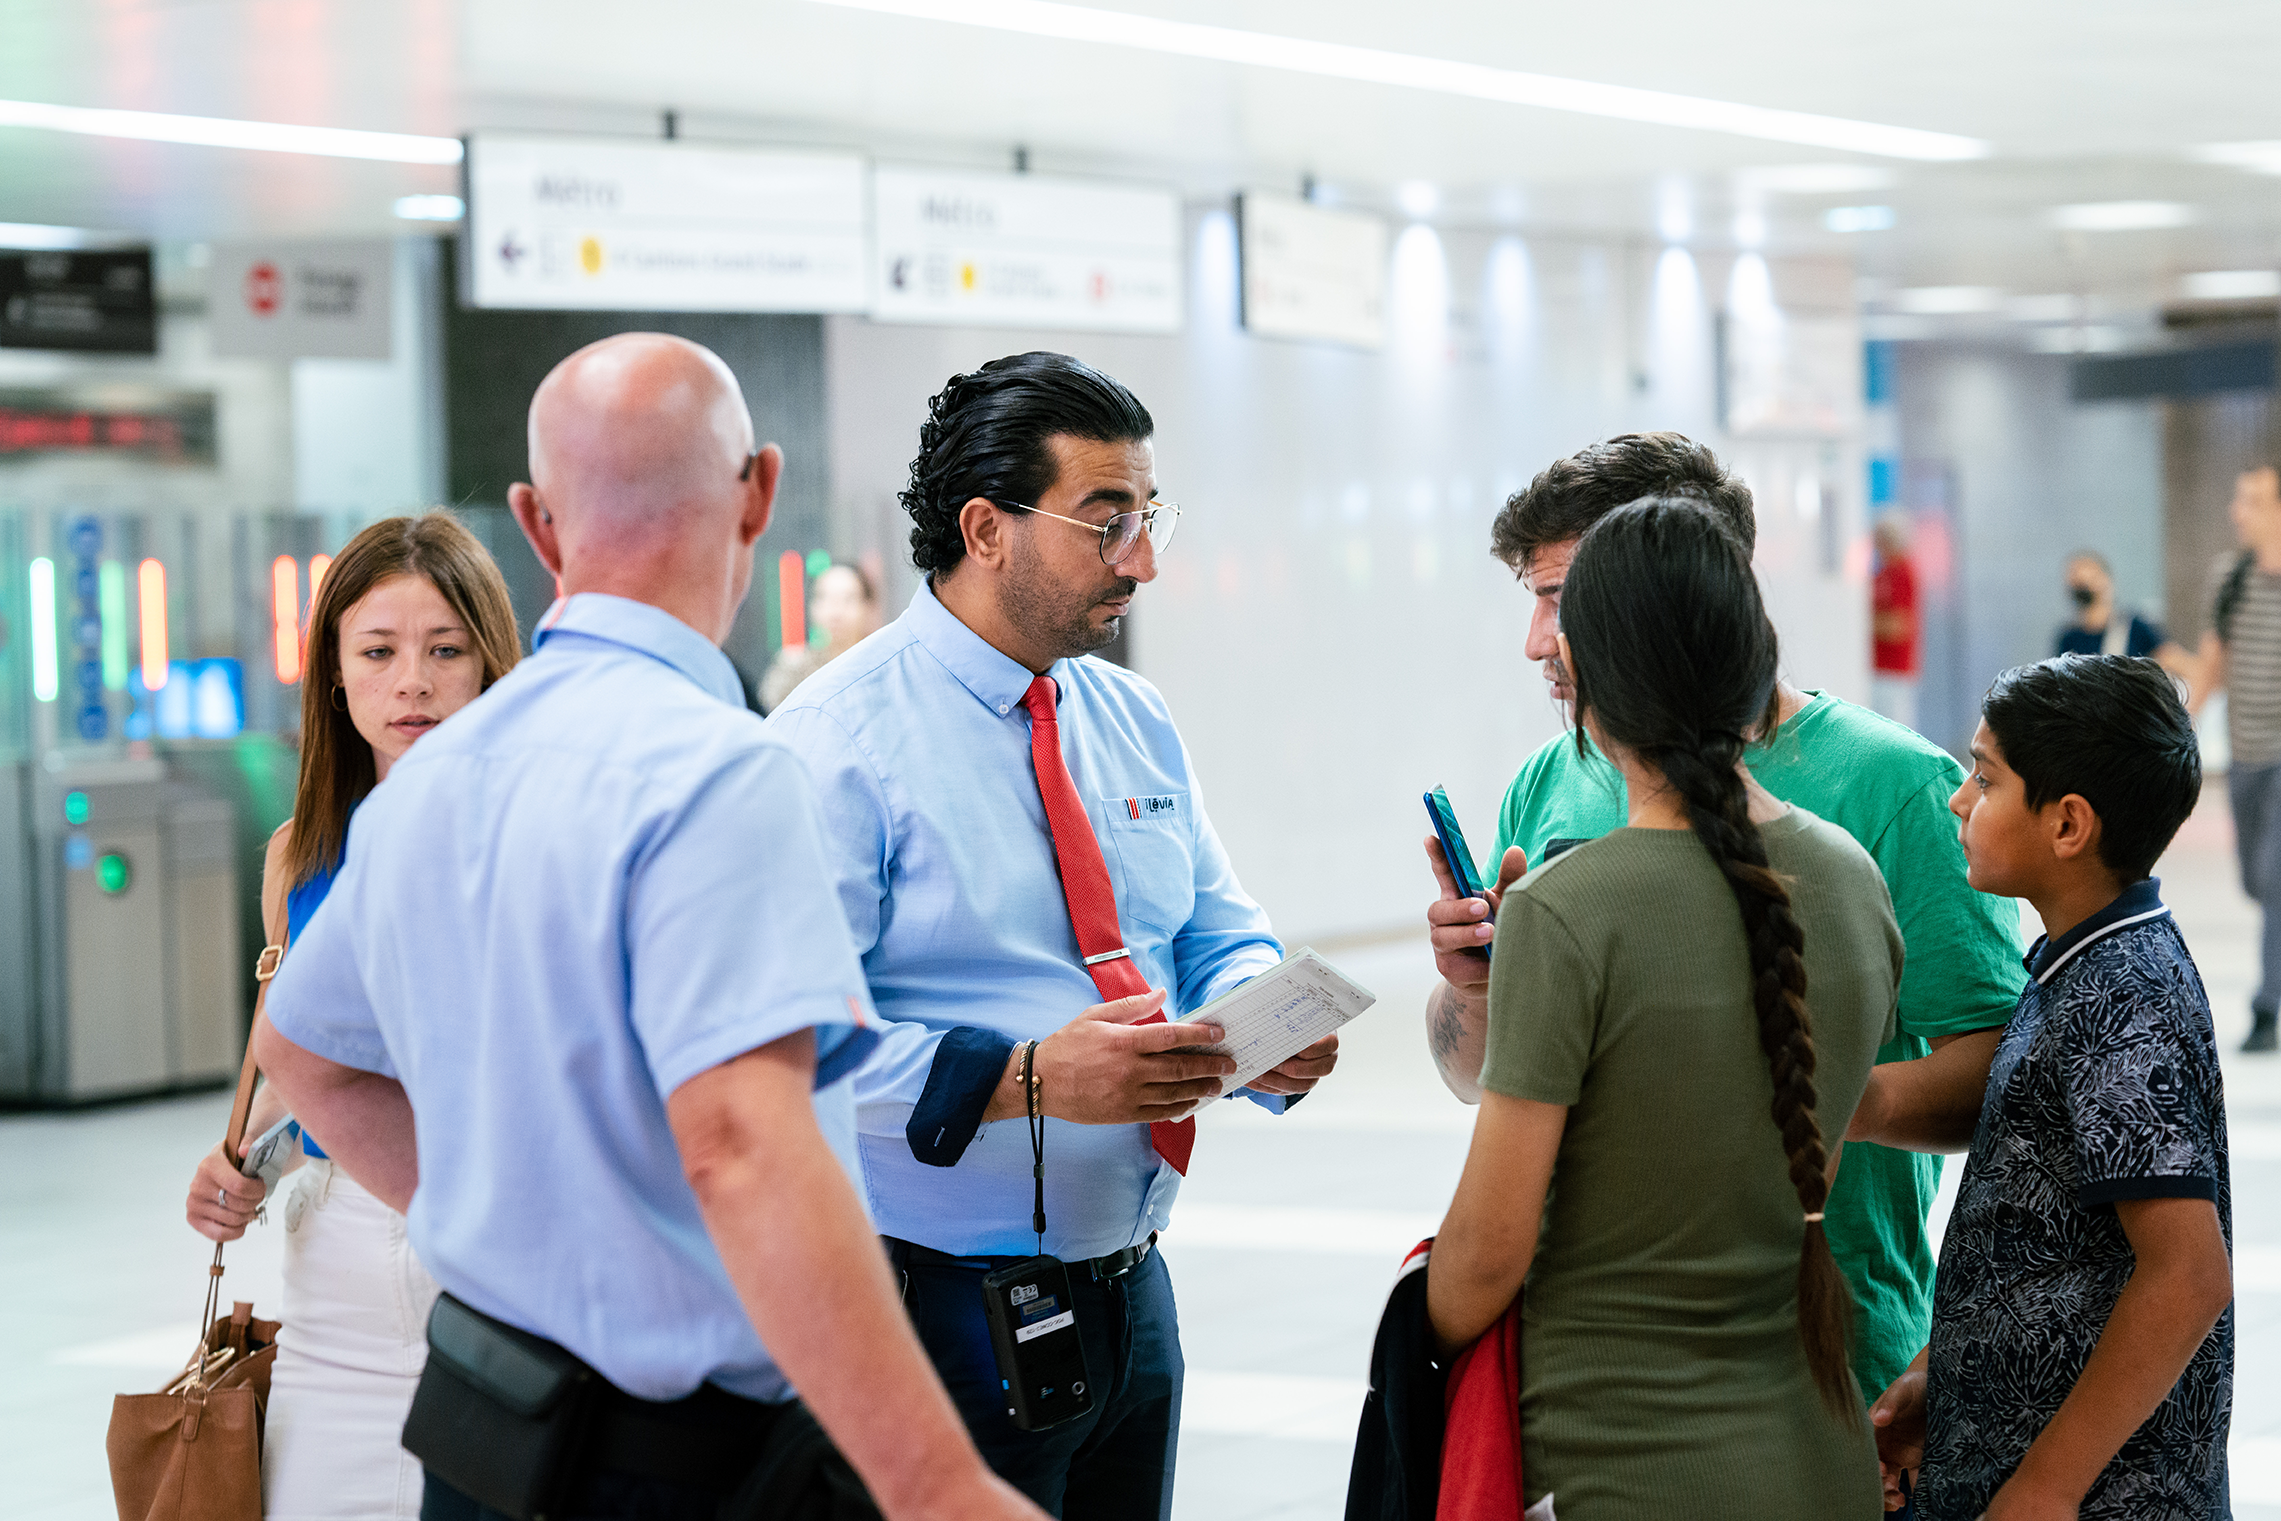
(2102, 628)
(1657, 992)
(2241, 655)
(411, 624)
(552, 1006)
(1886, 786)
(843, 604)
(1024, 856)
(1896, 625)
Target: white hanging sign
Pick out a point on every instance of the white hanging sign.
(1025, 250)
(1312, 273)
(616, 224)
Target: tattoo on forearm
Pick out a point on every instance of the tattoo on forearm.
(1444, 1027)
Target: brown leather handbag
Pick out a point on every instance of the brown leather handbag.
(192, 1451)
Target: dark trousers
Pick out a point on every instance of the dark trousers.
(2255, 792)
(1113, 1463)
(601, 1497)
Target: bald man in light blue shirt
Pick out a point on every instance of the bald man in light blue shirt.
(580, 1002)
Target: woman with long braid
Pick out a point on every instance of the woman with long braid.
(1682, 1016)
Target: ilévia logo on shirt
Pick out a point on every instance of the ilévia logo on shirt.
(1151, 807)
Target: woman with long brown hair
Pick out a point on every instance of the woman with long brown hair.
(1682, 1017)
(410, 624)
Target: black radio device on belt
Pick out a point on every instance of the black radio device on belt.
(1033, 1320)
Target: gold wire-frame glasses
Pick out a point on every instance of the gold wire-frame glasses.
(1121, 535)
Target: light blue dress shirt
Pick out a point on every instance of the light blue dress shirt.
(920, 749)
(596, 881)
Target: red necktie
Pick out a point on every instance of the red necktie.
(1092, 902)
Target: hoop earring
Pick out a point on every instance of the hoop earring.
(340, 700)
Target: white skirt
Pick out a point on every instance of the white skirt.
(348, 1359)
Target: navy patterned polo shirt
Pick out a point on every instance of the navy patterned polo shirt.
(2105, 1087)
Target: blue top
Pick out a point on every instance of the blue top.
(920, 748)
(300, 903)
(2105, 1087)
(598, 880)
(2145, 638)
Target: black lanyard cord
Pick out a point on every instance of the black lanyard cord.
(1037, 1142)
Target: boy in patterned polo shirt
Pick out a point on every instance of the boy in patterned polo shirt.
(2082, 1341)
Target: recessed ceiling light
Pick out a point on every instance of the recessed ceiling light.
(2231, 284)
(1891, 329)
(2121, 216)
(2262, 158)
(1335, 60)
(430, 208)
(220, 132)
(2065, 307)
(1674, 212)
(1858, 218)
(2078, 340)
(1813, 179)
(1948, 300)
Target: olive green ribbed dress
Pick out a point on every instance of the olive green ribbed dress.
(1661, 1370)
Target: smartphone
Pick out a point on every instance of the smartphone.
(266, 1158)
(1455, 852)
(1041, 1356)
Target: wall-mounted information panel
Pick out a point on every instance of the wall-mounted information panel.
(1309, 272)
(1025, 250)
(610, 224)
(95, 303)
(294, 300)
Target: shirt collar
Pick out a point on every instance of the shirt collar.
(993, 676)
(2137, 903)
(651, 630)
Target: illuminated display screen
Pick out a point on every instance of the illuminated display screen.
(168, 427)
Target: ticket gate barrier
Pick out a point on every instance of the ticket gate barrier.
(123, 978)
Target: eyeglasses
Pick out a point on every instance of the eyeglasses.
(1121, 535)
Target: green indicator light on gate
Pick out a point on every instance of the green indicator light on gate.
(819, 561)
(75, 808)
(113, 874)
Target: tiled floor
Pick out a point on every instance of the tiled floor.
(1285, 1241)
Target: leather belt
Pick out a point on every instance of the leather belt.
(1101, 1269)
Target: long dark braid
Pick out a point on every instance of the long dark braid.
(1674, 659)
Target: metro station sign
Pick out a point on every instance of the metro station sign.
(559, 223)
(1025, 250)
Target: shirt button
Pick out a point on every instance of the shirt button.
(1003, 707)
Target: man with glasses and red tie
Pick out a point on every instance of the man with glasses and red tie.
(1035, 890)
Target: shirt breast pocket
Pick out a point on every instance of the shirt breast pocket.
(1152, 858)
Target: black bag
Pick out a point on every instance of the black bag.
(499, 1412)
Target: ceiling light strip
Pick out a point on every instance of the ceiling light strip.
(1077, 23)
(219, 132)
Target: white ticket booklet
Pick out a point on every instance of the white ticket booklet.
(1280, 1013)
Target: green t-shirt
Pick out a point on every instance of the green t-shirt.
(1660, 1354)
(1888, 787)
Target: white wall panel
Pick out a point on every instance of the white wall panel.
(1329, 628)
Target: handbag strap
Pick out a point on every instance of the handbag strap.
(241, 1107)
(272, 957)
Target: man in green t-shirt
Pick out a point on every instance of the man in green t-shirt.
(1881, 783)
